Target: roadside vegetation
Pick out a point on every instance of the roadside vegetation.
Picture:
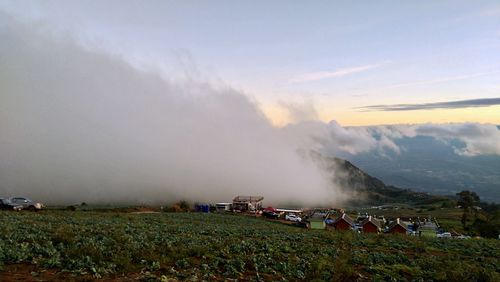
(63, 244)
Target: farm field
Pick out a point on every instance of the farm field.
(120, 246)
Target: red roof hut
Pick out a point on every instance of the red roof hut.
(398, 226)
(371, 225)
(343, 222)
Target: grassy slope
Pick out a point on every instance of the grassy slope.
(215, 247)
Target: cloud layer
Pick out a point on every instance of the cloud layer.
(478, 139)
(332, 138)
(313, 76)
(484, 102)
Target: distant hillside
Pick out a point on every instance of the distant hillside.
(371, 190)
(429, 165)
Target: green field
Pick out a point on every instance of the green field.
(85, 245)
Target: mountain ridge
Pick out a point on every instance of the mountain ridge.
(369, 190)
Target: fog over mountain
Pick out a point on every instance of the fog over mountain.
(80, 124)
(435, 158)
(83, 125)
(428, 164)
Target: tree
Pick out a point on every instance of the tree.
(467, 199)
(184, 205)
(488, 226)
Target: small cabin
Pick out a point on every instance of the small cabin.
(247, 203)
(343, 222)
(398, 226)
(316, 221)
(371, 225)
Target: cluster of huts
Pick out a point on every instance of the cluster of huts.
(336, 219)
(330, 219)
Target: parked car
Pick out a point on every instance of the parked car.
(26, 203)
(357, 228)
(293, 217)
(270, 214)
(329, 221)
(5, 204)
(444, 235)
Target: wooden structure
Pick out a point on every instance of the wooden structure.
(247, 203)
(316, 221)
(343, 222)
(371, 225)
(398, 226)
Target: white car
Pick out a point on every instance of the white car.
(293, 217)
(444, 235)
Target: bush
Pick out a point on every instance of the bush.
(182, 206)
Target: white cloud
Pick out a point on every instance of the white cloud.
(332, 138)
(314, 76)
(298, 112)
(479, 139)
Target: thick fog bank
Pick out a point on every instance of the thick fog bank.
(79, 125)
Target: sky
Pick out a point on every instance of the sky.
(384, 62)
